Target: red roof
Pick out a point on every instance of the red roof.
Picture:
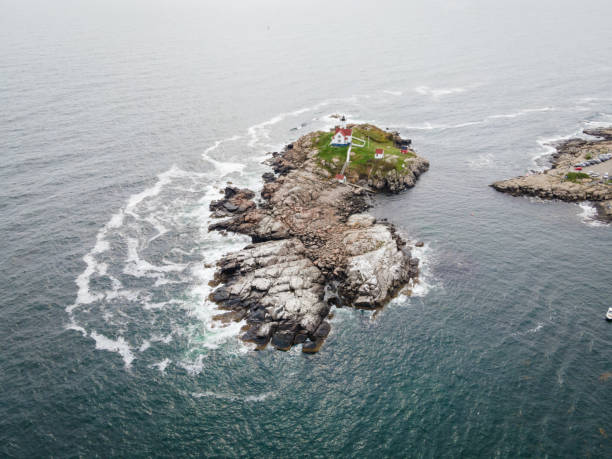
(345, 132)
(379, 151)
(339, 176)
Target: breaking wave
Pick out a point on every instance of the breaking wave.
(588, 215)
(547, 146)
(244, 398)
(428, 126)
(440, 92)
(148, 266)
(523, 112)
(144, 290)
(530, 331)
(425, 282)
(482, 161)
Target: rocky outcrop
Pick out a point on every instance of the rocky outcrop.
(313, 245)
(604, 211)
(554, 183)
(234, 201)
(551, 187)
(604, 133)
(278, 287)
(392, 181)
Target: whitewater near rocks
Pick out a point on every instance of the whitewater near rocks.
(313, 246)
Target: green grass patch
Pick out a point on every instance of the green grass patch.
(362, 158)
(575, 176)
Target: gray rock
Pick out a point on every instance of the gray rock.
(310, 347)
(229, 206)
(322, 330)
(283, 340)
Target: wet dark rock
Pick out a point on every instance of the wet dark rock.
(219, 295)
(234, 201)
(283, 340)
(604, 211)
(403, 143)
(230, 316)
(251, 337)
(230, 191)
(268, 177)
(311, 347)
(604, 133)
(257, 315)
(322, 331)
(229, 206)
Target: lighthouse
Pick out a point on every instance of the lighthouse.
(342, 136)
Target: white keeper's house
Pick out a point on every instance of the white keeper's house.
(342, 137)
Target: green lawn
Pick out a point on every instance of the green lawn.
(575, 176)
(362, 158)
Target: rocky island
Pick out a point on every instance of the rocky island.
(580, 171)
(313, 245)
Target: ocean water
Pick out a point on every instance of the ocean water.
(121, 121)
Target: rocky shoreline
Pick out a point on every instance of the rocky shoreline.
(313, 246)
(555, 183)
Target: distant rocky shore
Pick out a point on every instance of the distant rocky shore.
(313, 246)
(567, 180)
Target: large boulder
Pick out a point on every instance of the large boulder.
(376, 267)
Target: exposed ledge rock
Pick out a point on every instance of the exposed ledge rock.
(312, 242)
(604, 210)
(604, 133)
(394, 182)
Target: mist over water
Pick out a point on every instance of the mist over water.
(121, 121)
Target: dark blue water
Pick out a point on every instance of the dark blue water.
(119, 123)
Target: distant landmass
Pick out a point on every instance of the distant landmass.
(581, 171)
